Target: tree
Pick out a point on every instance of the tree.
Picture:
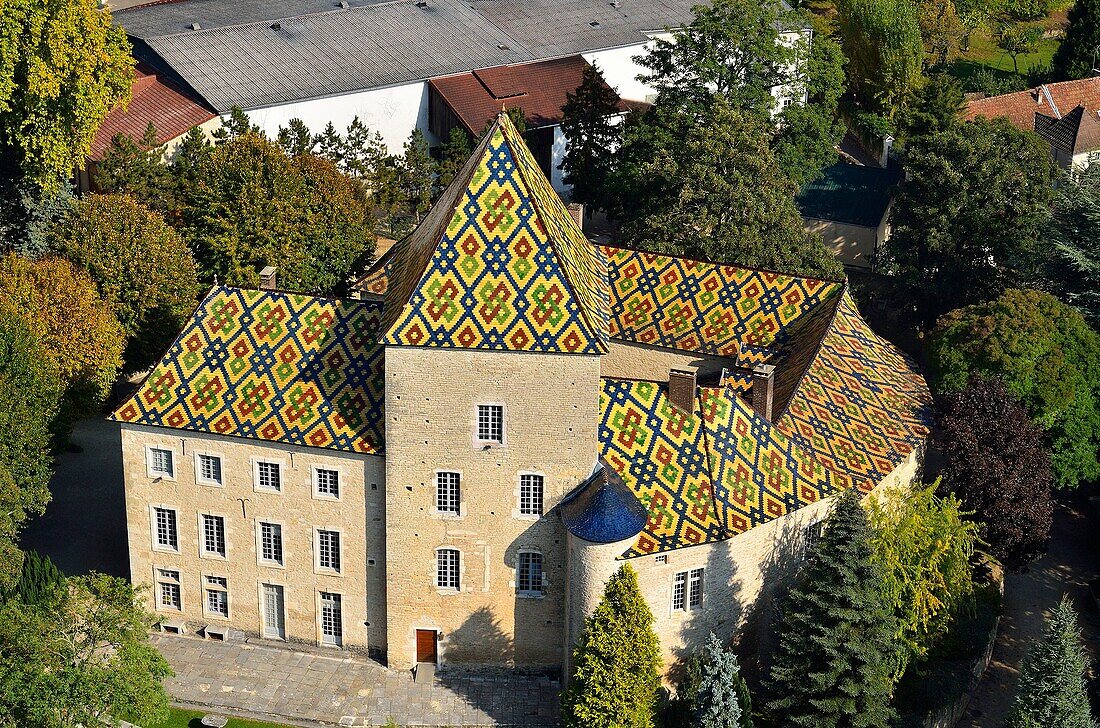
(837, 634)
(137, 169)
(38, 577)
(592, 138)
(63, 67)
(27, 212)
(937, 106)
(416, 173)
(1017, 39)
(248, 206)
(923, 545)
(76, 329)
(235, 126)
(718, 702)
(941, 30)
(882, 41)
(1049, 359)
(30, 390)
(188, 160)
(715, 194)
(81, 657)
(1078, 52)
(808, 133)
(616, 662)
(141, 266)
(999, 469)
(1073, 237)
(454, 154)
(1053, 689)
(968, 217)
(295, 138)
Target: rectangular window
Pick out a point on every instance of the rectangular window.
(447, 492)
(328, 550)
(530, 495)
(679, 591)
(661, 558)
(529, 578)
(271, 543)
(160, 462)
(210, 469)
(168, 590)
(695, 588)
(165, 528)
(267, 476)
(332, 620)
(217, 596)
(446, 569)
(328, 482)
(490, 423)
(213, 535)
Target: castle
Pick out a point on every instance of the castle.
(448, 469)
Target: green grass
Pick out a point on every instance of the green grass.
(178, 718)
(983, 51)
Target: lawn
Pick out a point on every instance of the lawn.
(178, 718)
(983, 51)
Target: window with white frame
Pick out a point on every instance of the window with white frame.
(328, 550)
(447, 569)
(661, 558)
(529, 573)
(679, 591)
(448, 488)
(210, 469)
(530, 494)
(332, 619)
(490, 423)
(168, 590)
(160, 462)
(695, 588)
(213, 535)
(165, 534)
(271, 543)
(811, 535)
(217, 596)
(687, 590)
(327, 482)
(268, 476)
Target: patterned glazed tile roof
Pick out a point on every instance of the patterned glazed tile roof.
(510, 270)
(716, 309)
(271, 366)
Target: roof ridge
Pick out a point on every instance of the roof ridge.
(817, 352)
(708, 261)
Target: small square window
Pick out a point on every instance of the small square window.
(328, 550)
(213, 535)
(328, 482)
(447, 569)
(160, 462)
(217, 596)
(271, 543)
(529, 573)
(210, 469)
(530, 495)
(448, 488)
(490, 423)
(268, 476)
(661, 558)
(164, 528)
(168, 590)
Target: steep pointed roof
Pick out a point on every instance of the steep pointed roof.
(498, 263)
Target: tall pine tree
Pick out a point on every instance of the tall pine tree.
(592, 137)
(721, 699)
(616, 662)
(837, 635)
(1077, 54)
(1052, 690)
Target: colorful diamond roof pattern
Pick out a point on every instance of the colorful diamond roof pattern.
(510, 270)
(271, 366)
(725, 310)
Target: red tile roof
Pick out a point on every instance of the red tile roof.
(538, 88)
(171, 111)
(1019, 108)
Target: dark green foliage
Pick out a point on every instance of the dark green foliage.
(1073, 267)
(452, 156)
(837, 633)
(27, 212)
(37, 579)
(1049, 359)
(968, 218)
(936, 107)
(712, 190)
(616, 662)
(999, 467)
(235, 126)
(295, 138)
(882, 41)
(136, 168)
(1077, 54)
(1053, 690)
(416, 171)
(592, 138)
(190, 156)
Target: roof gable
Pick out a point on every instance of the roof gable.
(509, 271)
(272, 366)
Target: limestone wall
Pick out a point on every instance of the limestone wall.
(359, 515)
(640, 361)
(551, 417)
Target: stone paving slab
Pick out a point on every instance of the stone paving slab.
(308, 688)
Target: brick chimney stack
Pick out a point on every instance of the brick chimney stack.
(681, 389)
(267, 278)
(576, 211)
(763, 387)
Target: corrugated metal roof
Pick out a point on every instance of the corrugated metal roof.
(849, 193)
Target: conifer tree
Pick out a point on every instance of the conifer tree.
(1052, 690)
(38, 578)
(591, 135)
(837, 635)
(721, 698)
(1078, 52)
(416, 177)
(235, 126)
(295, 138)
(330, 145)
(453, 155)
(136, 168)
(616, 662)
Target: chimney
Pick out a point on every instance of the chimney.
(576, 211)
(763, 384)
(681, 389)
(267, 278)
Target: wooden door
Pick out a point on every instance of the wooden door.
(426, 641)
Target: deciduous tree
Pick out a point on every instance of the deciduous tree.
(1073, 266)
(592, 138)
(998, 467)
(882, 41)
(616, 662)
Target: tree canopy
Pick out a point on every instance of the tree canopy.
(1073, 234)
(592, 138)
(882, 40)
(1049, 359)
(1077, 53)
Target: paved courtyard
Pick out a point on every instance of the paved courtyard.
(311, 689)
